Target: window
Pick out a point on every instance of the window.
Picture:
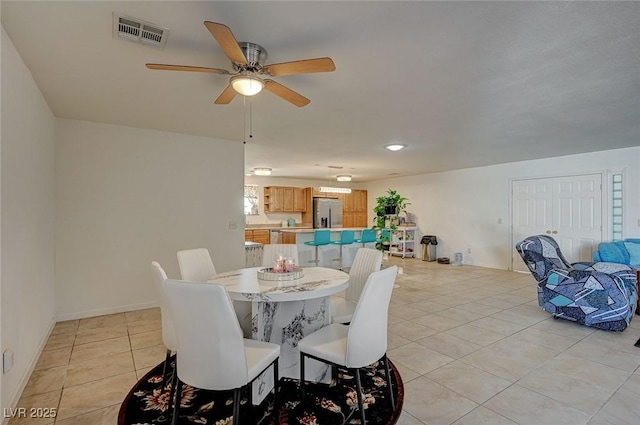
(616, 212)
(251, 199)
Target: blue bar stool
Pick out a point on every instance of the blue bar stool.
(320, 237)
(367, 236)
(346, 238)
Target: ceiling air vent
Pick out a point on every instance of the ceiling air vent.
(133, 29)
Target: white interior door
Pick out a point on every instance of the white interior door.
(567, 208)
(577, 215)
(531, 213)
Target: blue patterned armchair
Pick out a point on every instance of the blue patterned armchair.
(601, 295)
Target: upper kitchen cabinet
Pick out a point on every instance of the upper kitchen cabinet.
(300, 199)
(359, 199)
(284, 199)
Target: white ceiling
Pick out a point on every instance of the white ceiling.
(462, 84)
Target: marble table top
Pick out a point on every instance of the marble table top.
(317, 282)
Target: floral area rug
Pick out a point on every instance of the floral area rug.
(147, 403)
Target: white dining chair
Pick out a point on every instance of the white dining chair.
(271, 252)
(212, 354)
(366, 261)
(168, 329)
(196, 265)
(362, 342)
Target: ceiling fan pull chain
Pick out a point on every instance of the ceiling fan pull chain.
(250, 120)
(244, 120)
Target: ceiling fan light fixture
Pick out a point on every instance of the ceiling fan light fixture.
(395, 147)
(343, 178)
(262, 171)
(247, 85)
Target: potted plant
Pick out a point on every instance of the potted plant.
(388, 206)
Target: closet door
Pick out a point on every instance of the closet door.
(569, 209)
(577, 215)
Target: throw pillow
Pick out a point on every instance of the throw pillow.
(634, 253)
(611, 253)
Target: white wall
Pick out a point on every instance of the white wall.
(462, 207)
(127, 196)
(26, 220)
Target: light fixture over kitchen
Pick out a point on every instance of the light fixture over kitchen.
(334, 189)
(262, 171)
(395, 147)
(343, 178)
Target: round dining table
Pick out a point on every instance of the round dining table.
(285, 311)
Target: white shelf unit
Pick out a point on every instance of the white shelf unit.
(403, 242)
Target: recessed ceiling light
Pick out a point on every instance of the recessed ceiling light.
(343, 178)
(395, 147)
(262, 171)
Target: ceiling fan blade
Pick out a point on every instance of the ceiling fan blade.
(227, 41)
(163, 67)
(226, 96)
(286, 93)
(301, 67)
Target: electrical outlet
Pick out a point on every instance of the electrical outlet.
(7, 361)
(233, 224)
(468, 250)
(500, 220)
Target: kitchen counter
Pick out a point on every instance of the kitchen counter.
(311, 230)
(274, 226)
(328, 254)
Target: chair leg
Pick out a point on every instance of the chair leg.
(236, 406)
(167, 359)
(334, 375)
(302, 376)
(360, 403)
(176, 409)
(387, 372)
(275, 382)
(174, 382)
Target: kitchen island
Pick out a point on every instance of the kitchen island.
(328, 254)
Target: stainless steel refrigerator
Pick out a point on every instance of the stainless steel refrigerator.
(327, 212)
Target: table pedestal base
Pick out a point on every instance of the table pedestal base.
(286, 323)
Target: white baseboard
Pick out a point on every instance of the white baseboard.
(15, 397)
(103, 311)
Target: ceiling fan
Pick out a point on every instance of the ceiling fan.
(248, 60)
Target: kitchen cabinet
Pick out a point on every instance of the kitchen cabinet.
(257, 235)
(284, 199)
(359, 200)
(287, 199)
(288, 237)
(299, 199)
(273, 199)
(354, 219)
(356, 201)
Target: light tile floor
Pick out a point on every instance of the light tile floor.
(471, 345)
